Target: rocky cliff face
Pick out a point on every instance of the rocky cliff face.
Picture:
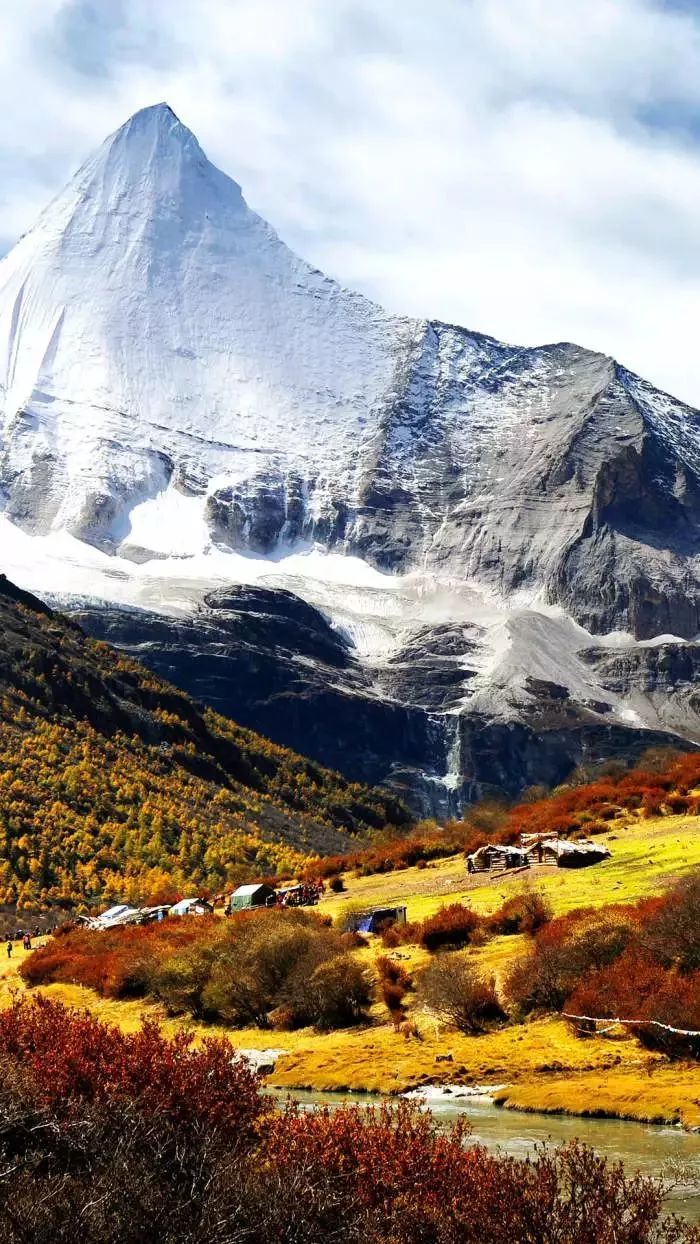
(275, 664)
(374, 537)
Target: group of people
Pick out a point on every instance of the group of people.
(26, 943)
(305, 895)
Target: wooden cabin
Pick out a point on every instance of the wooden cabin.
(496, 857)
(567, 852)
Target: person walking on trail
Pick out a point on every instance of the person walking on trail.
(9, 947)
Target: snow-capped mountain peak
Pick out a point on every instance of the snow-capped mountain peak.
(153, 167)
(154, 329)
(183, 401)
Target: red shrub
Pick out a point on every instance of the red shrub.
(73, 1059)
(141, 1138)
(636, 986)
(394, 935)
(672, 932)
(396, 1175)
(619, 989)
(453, 925)
(393, 995)
(565, 950)
(678, 803)
(392, 971)
(652, 802)
(523, 913)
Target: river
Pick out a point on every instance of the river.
(662, 1152)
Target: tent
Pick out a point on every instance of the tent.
(257, 894)
(372, 921)
(115, 916)
(159, 912)
(191, 907)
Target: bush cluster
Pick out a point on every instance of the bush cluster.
(72, 1058)
(456, 925)
(526, 912)
(635, 962)
(186, 1152)
(453, 926)
(668, 788)
(455, 993)
(279, 968)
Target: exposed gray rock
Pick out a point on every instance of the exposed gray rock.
(259, 512)
(275, 664)
(660, 682)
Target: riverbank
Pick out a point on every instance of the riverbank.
(667, 1153)
(539, 1066)
(662, 1093)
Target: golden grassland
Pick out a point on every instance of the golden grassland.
(541, 1064)
(656, 1093)
(646, 856)
(376, 1059)
(384, 1061)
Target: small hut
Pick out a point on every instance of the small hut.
(567, 852)
(257, 894)
(496, 857)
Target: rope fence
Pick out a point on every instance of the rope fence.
(637, 1023)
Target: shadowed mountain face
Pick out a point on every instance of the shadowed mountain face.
(274, 662)
(407, 548)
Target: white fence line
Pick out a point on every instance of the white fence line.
(637, 1023)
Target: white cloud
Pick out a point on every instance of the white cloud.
(526, 167)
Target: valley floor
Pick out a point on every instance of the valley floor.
(539, 1065)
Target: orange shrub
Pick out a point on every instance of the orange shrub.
(523, 913)
(117, 963)
(636, 986)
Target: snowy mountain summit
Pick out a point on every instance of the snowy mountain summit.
(186, 405)
(154, 333)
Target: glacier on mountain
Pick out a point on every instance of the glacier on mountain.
(501, 538)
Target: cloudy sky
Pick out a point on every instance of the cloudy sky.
(529, 168)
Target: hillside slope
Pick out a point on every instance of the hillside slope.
(114, 783)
